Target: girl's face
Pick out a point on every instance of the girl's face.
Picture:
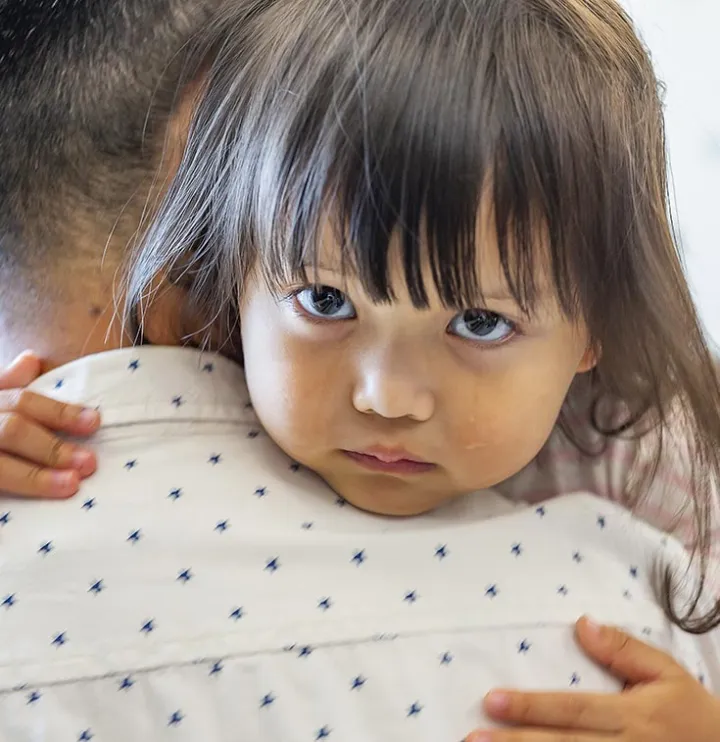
(402, 409)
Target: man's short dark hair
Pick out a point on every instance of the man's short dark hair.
(85, 89)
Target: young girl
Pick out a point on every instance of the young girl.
(437, 235)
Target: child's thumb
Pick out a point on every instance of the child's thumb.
(21, 372)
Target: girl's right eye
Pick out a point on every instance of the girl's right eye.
(325, 302)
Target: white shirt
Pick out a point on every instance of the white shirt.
(203, 587)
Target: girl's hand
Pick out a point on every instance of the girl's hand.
(34, 462)
(662, 702)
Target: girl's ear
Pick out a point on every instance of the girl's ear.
(589, 360)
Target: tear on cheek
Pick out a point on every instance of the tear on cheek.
(477, 445)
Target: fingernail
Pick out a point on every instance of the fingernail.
(64, 482)
(479, 737)
(497, 702)
(81, 460)
(592, 627)
(88, 418)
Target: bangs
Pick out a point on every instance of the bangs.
(399, 145)
(398, 121)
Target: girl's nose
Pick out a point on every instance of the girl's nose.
(393, 391)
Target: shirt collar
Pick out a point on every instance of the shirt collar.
(153, 384)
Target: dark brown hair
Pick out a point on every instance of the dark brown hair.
(86, 88)
(401, 114)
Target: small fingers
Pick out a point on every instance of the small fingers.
(26, 439)
(23, 479)
(51, 413)
(573, 711)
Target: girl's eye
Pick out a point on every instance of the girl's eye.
(325, 302)
(482, 326)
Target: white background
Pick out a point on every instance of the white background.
(684, 38)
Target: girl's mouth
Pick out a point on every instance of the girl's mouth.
(390, 461)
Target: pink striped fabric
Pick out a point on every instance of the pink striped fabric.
(561, 468)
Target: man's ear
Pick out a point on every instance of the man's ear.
(178, 127)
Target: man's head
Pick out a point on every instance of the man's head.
(86, 88)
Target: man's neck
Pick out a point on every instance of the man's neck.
(62, 324)
(58, 325)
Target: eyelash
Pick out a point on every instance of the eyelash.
(291, 298)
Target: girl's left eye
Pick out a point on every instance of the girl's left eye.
(325, 302)
(482, 326)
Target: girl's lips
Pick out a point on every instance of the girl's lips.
(389, 463)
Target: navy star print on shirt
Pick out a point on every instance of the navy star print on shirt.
(59, 640)
(126, 683)
(359, 557)
(97, 587)
(272, 565)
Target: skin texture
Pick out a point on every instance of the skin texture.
(395, 377)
